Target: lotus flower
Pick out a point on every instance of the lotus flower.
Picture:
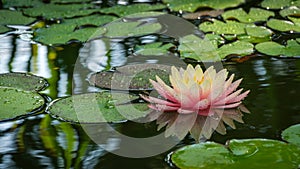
(193, 91)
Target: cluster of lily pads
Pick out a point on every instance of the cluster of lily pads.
(235, 32)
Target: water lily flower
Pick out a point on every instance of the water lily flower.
(193, 91)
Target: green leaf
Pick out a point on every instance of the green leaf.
(127, 29)
(285, 25)
(23, 3)
(292, 134)
(254, 15)
(16, 103)
(62, 33)
(219, 27)
(97, 108)
(55, 11)
(240, 48)
(279, 4)
(69, 1)
(123, 10)
(153, 49)
(4, 29)
(274, 49)
(131, 77)
(290, 11)
(258, 31)
(8, 17)
(193, 5)
(260, 153)
(23, 81)
(96, 20)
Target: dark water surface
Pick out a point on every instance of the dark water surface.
(43, 142)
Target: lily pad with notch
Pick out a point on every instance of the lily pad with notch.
(290, 11)
(285, 25)
(16, 103)
(279, 4)
(228, 27)
(275, 49)
(98, 108)
(23, 81)
(131, 77)
(260, 153)
(156, 49)
(254, 15)
(292, 134)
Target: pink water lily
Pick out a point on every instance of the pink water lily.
(194, 91)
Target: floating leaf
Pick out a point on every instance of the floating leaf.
(96, 20)
(196, 15)
(219, 27)
(292, 134)
(256, 34)
(254, 15)
(62, 33)
(97, 107)
(274, 49)
(260, 153)
(23, 81)
(193, 5)
(54, 11)
(16, 103)
(126, 29)
(131, 77)
(290, 11)
(284, 25)
(23, 3)
(279, 4)
(240, 48)
(122, 10)
(69, 1)
(153, 49)
(8, 17)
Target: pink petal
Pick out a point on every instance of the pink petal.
(228, 106)
(239, 98)
(158, 101)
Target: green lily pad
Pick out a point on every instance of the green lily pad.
(254, 15)
(97, 108)
(55, 11)
(23, 3)
(279, 4)
(16, 103)
(69, 1)
(153, 49)
(292, 134)
(240, 48)
(219, 27)
(122, 10)
(131, 77)
(127, 29)
(23, 81)
(290, 11)
(96, 20)
(215, 39)
(285, 25)
(260, 153)
(274, 49)
(193, 5)
(256, 34)
(63, 33)
(8, 17)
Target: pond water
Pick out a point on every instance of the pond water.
(43, 142)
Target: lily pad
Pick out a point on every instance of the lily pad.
(96, 20)
(285, 25)
(292, 134)
(16, 103)
(23, 81)
(260, 153)
(122, 10)
(193, 5)
(219, 27)
(153, 49)
(23, 3)
(127, 29)
(8, 17)
(240, 48)
(254, 15)
(279, 4)
(55, 11)
(256, 34)
(274, 49)
(62, 33)
(97, 108)
(131, 77)
(290, 11)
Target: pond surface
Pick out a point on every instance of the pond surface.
(43, 142)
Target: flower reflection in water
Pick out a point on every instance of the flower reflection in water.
(198, 102)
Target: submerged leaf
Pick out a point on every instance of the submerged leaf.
(193, 5)
(260, 153)
(23, 81)
(274, 49)
(292, 134)
(254, 15)
(16, 103)
(97, 108)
